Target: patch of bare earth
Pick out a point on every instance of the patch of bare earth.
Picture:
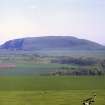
(6, 66)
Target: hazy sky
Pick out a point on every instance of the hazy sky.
(80, 18)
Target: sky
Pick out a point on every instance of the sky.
(84, 19)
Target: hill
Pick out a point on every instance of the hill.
(51, 43)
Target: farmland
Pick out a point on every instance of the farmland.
(37, 79)
(31, 83)
(54, 63)
(47, 90)
(66, 97)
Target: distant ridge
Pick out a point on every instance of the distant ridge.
(51, 43)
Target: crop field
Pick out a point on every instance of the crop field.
(51, 90)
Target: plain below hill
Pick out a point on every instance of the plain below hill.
(51, 43)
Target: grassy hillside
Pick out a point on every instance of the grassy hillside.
(20, 83)
(51, 90)
(68, 97)
(31, 83)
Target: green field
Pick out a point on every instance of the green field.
(41, 63)
(66, 97)
(30, 84)
(28, 68)
(50, 90)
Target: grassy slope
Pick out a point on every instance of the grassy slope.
(50, 90)
(69, 97)
(30, 83)
(30, 90)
